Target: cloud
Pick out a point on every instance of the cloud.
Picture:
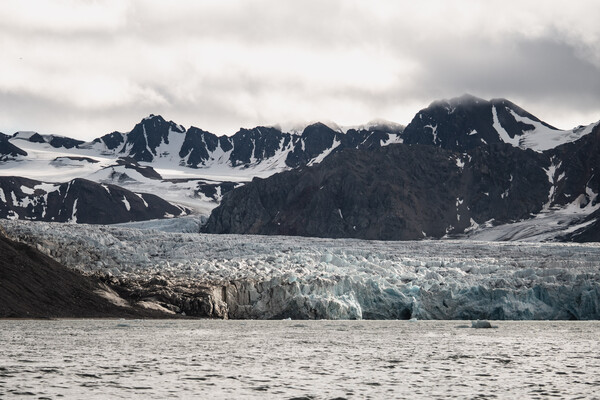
(84, 68)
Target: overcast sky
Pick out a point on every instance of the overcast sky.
(86, 68)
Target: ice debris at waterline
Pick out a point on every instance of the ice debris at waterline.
(235, 276)
(481, 324)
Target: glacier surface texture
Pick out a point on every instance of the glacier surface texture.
(273, 277)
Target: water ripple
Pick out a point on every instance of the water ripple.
(287, 359)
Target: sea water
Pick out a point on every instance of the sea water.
(297, 359)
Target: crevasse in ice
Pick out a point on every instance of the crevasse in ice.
(280, 277)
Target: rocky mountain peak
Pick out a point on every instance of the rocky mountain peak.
(9, 150)
(150, 133)
(467, 122)
(466, 100)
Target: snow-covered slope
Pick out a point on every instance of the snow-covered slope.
(539, 136)
(79, 201)
(193, 168)
(279, 277)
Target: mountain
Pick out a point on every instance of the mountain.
(53, 140)
(464, 165)
(154, 139)
(502, 167)
(466, 122)
(576, 183)
(9, 150)
(192, 168)
(80, 201)
(398, 192)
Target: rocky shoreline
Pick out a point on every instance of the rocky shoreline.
(33, 285)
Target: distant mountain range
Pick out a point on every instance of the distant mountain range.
(464, 164)
(191, 169)
(463, 167)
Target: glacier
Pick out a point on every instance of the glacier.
(275, 277)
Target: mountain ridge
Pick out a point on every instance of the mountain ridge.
(196, 169)
(488, 175)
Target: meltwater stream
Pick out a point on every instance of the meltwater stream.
(297, 359)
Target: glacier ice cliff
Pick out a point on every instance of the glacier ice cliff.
(273, 277)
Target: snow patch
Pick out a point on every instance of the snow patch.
(73, 215)
(433, 132)
(324, 154)
(460, 163)
(142, 198)
(542, 137)
(504, 136)
(47, 187)
(26, 190)
(551, 172)
(393, 138)
(127, 205)
(12, 215)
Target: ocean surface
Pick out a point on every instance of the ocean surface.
(297, 359)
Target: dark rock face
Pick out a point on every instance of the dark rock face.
(365, 139)
(193, 299)
(315, 139)
(216, 190)
(111, 140)
(72, 161)
(397, 192)
(52, 140)
(577, 169)
(141, 143)
(198, 146)
(259, 143)
(504, 183)
(68, 143)
(245, 147)
(144, 170)
(80, 201)
(37, 138)
(412, 189)
(466, 122)
(32, 285)
(9, 150)
(588, 233)
(576, 181)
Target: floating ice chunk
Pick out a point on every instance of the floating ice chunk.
(481, 324)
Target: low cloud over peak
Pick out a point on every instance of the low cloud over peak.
(86, 68)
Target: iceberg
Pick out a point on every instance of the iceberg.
(481, 324)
